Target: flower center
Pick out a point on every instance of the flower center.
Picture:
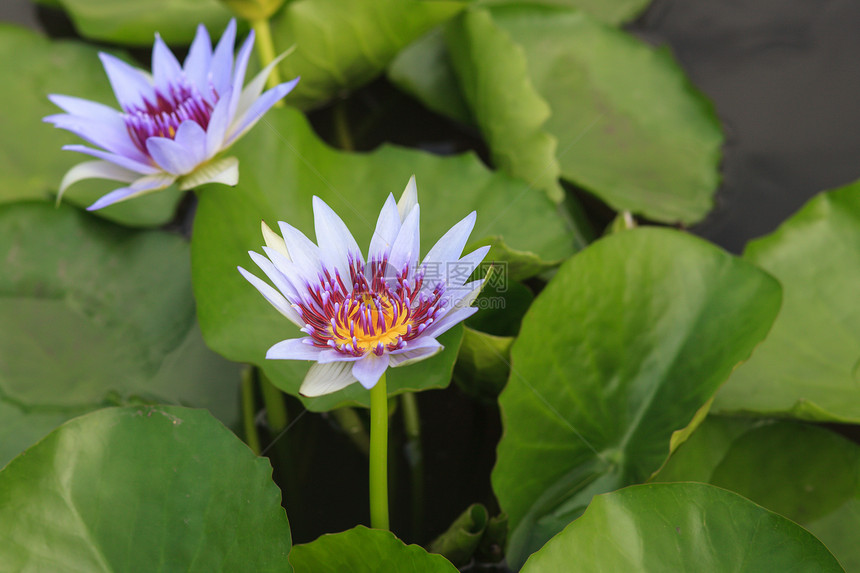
(378, 313)
(161, 118)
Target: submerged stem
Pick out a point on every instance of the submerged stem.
(379, 455)
(249, 412)
(415, 457)
(273, 400)
(266, 52)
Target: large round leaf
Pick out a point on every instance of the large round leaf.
(627, 342)
(92, 314)
(809, 366)
(343, 45)
(142, 489)
(282, 166)
(32, 163)
(361, 550)
(680, 527)
(803, 472)
(135, 22)
(622, 120)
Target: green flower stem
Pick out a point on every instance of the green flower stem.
(266, 52)
(350, 422)
(249, 411)
(415, 455)
(273, 399)
(379, 455)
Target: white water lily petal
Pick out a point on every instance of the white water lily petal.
(274, 240)
(95, 170)
(140, 186)
(369, 369)
(120, 160)
(224, 171)
(387, 227)
(255, 87)
(336, 243)
(304, 254)
(293, 349)
(412, 354)
(405, 249)
(450, 246)
(275, 298)
(409, 199)
(326, 378)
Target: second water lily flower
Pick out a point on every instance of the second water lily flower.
(174, 123)
(362, 316)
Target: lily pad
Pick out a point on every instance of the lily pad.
(34, 167)
(142, 489)
(95, 314)
(341, 46)
(809, 366)
(360, 550)
(812, 475)
(283, 164)
(629, 126)
(681, 527)
(135, 22)
(627, 342)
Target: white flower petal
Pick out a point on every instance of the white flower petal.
(450, 246)
(120, 160)
(275, 298)
(465, 267)
(224, 171)
(277, 278)
(95, 170)
(336, 243)
(216, 131)
(140, 186)
(387, 227)
(274, 240)
(451, 319)
(254, 88)
(130, 85)
(291, 273)
(304, 254)
(368, 370)
(242, 124)
(405, 248)
(111, 135)
(326, 378)
(408, 200)
(293, 349)
(415, 351)
(165, 66)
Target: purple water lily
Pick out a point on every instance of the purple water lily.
(174, 123)
(361, 317)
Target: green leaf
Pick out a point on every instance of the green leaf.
(142, 489)
(610, 11)
(360, 550)
(341, 46)
(135, 22)
(33, 169)
(627, 342)
(492, 72)
(93, 314)
(483, 365)
(459, 542)
(809, 366)
(803, 472)
(681, 527)
(629, 126)
(282, 166)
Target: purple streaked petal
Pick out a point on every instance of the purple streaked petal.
(139, 187)
(450, 246)
(368, 370)
(326, 378)
(254, 88)
(448, 321)
(112, 136)
(405, 248)
(165, 67)
(387, 227)
(275, 298)
(408, 200)
(130, 85)
(216, 131)
(95, 170)
(258, 108)
(120, 160)
(416, 350)
(304, 254)
(222, 60)
(197, 63)
(85, 109)
(183, 154)
(277, 278)
(336, 244)
(239, 71)
(293, 349)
